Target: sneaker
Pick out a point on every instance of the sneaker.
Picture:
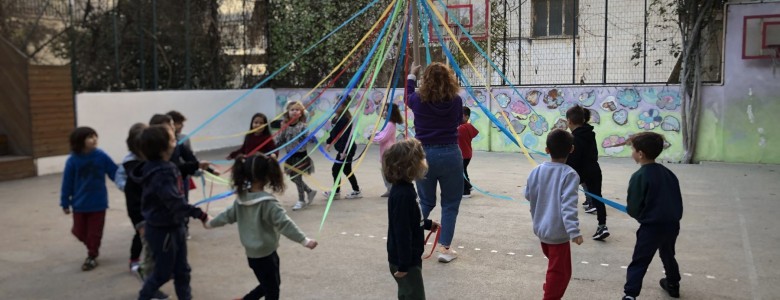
(467, 195)
(385, 194)
(672, 289)
(447, 255)
(629, 298)
(134, 263)
(590, 209)
(336, 196)
(354, 195)
(89, 264)
(135, 269)
(311, 194)
(158, 295)
(601, 233)
(299, 205)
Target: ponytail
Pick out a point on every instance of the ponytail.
(260, 169)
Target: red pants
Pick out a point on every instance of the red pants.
(558, 270)
(88, 228)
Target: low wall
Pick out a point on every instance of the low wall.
(112, 114)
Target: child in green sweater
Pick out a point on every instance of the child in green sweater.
(260, 220)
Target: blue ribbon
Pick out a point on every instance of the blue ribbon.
(425, 34)
(398, 69)
(606, 201)
(328, 157)
(350, 86)
(502, 197)
(258, 85)
(214, 198)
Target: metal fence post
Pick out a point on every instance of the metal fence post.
(116, 46)
(141, 56)
(573, 41)
(606, 25)
(187, 58)
(155, 67)
(644, 49)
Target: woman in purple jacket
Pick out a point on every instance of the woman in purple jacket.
(437, 112)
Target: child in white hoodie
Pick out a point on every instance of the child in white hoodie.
(552, 191)
(260, 220)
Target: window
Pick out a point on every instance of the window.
(555, 18)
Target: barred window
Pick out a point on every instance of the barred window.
(555, 18)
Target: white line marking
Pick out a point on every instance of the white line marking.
(710, 277)
(477, 249)
(371, 236)
(624, 267)
(460, 247)
(510, 253)
(343, 233)
(429, 243)
(584, 262)
(493, 251)
(357, 234)
(384, 237)
(605, 265)
(688, 274)
(752, 274)
(529, 255)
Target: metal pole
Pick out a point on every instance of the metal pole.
(606, 24)
(644, 46)
(418, 60)
(506, 26)
(573, 42)
(187, 57)
(141, 53)
(155, 67)
(73, 61)
(520, 45)
(116, 47)
(488, 71)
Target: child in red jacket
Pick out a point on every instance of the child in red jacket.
(466, 133)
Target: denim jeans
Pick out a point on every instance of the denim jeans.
(445, 167)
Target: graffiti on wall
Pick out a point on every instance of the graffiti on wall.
(616, 113)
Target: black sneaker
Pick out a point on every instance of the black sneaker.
(672, 289)
(158, 295)
(590, 209)
(89, 264)
(601, 233)
(628, 298)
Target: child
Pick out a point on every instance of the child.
(164, 210)
(133, 191)
(255, 139)
(386, 138)
(403, 163)
(584, 160)
(178, 124)
(341, 138)
(466, 133)
(552, 191)
(300, 161)
(655, 200)
(260, 220)
(84, 190)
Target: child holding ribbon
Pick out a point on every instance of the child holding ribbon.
(299, 162)
(403, 163)
(260, 220)
(341, 139)
(258, 136)
(387, 137)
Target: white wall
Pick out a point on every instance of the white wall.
(112, 114)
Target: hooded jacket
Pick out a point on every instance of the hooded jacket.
(84, 181)
(341, 133)
(435, 123)
(162, 198)
(261, 219)
(466, 133)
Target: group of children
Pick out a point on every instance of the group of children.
(154, 174)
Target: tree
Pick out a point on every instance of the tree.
(691, 17)
(125, 47)
(32, 27)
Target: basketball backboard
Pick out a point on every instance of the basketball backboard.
(760, 36)
(473, 15)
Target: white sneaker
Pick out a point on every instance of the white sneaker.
(447, 255)
(354, 195)
(299, 205)
(336, 196)
(467, 196)
(311, 194)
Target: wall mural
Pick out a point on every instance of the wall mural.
(616, 113)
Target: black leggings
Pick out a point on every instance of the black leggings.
(593, 186)
(266, 270)
(136, 246)
(336, 169)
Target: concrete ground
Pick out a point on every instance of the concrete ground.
(728, 235)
